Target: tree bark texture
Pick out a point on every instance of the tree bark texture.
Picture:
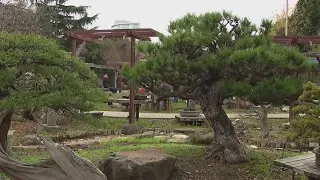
(64, 163)
(291, 113)
(264, 122)
(226, 144)
(191, 104)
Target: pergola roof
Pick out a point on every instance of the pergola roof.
(91, 35)
(296, 39)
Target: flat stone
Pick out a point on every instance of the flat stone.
(145, 164)
(162, 137)
(178, 138)
(253, 147)
(37, 147)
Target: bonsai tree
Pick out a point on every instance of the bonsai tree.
(201, 54)
(34, 74)
(191, 105)
(306, 128)
(278, 90)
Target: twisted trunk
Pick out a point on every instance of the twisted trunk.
(264, 122)
(64, 163)
(291, 113)
(226, 144)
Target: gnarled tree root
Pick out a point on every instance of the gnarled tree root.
(216, 152)
(64, 163)
(227, 154)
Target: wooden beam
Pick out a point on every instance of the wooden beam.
(297, 39)
(83, 44)
(80, 37)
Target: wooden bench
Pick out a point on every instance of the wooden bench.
(303, 164)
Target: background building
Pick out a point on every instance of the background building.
(122, 24)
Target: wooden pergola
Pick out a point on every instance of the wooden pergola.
(96, 35)
(295, 40)
(304, 40)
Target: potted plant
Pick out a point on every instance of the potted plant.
(306, 128)
(190, 110)
(140, 94)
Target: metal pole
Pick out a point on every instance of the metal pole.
(132, 62)
(287, 14)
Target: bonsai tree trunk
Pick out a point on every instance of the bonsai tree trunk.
(226, 144)
(264, 121)
(64, 163)
(291, 113)
(191, 104)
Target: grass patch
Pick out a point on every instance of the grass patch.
(276, 131)
(104, 149)
(116, 123)
(261, 163)
(178, 150)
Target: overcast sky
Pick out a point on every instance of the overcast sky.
(157, 14)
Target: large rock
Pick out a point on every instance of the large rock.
(145, 164)
(30, 140)
(131, 129)
(116, 105)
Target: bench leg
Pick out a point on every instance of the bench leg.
(137, 112)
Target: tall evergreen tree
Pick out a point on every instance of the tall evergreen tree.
(305, 19)
(64, 17)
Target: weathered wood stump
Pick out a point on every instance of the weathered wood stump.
(64, 163)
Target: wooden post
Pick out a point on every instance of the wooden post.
(137, 112)
(120, 78)
(74, 47)
(132, 88)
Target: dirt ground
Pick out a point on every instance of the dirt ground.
(200, 169)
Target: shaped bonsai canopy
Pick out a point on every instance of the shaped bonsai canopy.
(133, 34)
(307, 127)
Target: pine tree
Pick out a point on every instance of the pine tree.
(35, 73)
(203, 53)
(63, 17)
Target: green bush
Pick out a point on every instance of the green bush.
(307, 127)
